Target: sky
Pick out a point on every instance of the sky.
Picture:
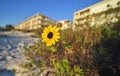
(16, 11)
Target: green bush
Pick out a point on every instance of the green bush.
(85, 52)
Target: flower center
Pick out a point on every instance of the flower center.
(50, 35)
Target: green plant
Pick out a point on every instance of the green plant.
(92, 48)
(53, 49)
(78, 71)
(14, 70)
(42, 69)
(33, 74)
(62, 67)
(28, 65)
(69, 47)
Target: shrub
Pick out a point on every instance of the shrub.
(85, 52)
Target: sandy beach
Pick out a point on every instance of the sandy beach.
(11, 50)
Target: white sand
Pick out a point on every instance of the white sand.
(11, 50)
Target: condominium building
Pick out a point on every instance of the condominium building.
(35, 22)
(81, 16)
(66, 24)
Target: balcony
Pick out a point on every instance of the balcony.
(81, 16)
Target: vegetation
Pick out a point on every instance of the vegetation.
(14, 70)
(7, 27)
(90, 51)
(59, 25)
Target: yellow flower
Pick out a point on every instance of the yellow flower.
(50, 35)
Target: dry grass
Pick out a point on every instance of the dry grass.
(85, 52)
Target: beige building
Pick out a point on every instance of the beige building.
(66, 24)
(35, 22)
(81, 16)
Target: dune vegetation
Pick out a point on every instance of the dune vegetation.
(92, 51)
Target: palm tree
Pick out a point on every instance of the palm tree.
(9, 27)
(118, 3)
(59, 25)
(109, 6)
(1, 28)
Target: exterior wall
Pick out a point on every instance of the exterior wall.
(66, 24)
(103, 6)
(81, 16)
(35, 22)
